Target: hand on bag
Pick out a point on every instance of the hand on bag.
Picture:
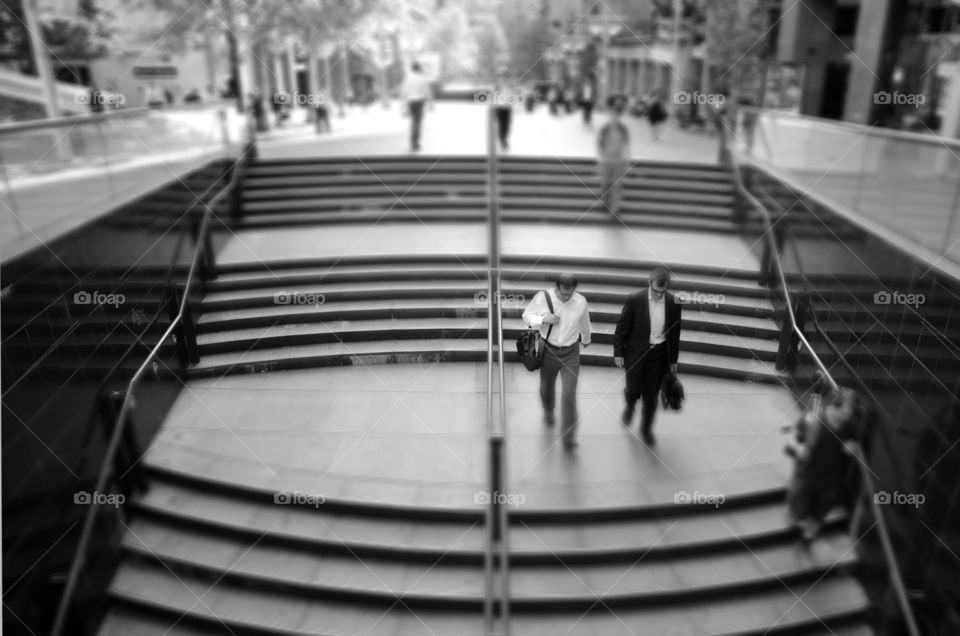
(673, 368)
(618, 360)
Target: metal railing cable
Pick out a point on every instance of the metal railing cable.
(103, 477)
(893, 566)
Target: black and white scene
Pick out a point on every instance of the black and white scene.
(480, 317)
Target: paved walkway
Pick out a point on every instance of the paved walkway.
(458, 128)
(406, 434)
(588, 241)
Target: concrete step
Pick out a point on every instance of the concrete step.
(428, 350)
(196, 503)
(198, 598)
(394, 179)
(455, 329)
(375, 188)
(630, 181)
(270, 315)
(367, 202)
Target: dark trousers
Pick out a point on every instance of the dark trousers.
(416, 117)
(564, 362)
(504, 115)
(643, 382)
(587, 111)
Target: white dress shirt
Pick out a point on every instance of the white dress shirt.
(416, 88)
(658, 318)
(574, 318)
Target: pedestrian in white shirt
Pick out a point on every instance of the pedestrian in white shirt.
(416, 93)
(565, 329)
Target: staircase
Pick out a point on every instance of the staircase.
(210, 556)
(208, 550)
(78, 319)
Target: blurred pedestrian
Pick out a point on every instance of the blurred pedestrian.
(563, 318)
(656, 114)
(553, 97)
(820, 477)
(587, 98)
(416, 93)
(95, 98)
(257, 111)
(279, 98)
(321, 114)
(613, 156)
(569, 97)
(505, 93)
(530, 97)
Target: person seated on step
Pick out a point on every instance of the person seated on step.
(822, 459)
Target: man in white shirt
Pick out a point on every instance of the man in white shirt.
(647, 343)
(565, 330)
(416, 93)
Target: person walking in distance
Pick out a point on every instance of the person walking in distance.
(587, 97)
(656, 113)
(416, 93)
(563, 318)
(613, 150)
(504, 95)
(646, 343)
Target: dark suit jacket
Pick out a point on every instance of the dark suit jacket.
(632, 337)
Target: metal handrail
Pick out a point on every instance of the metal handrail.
(496, 512)
(489, 516)
(893, 566)
(775, 259)
(80, 554)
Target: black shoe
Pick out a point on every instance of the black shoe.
(647, 436)
(548, 418)
(626, 417)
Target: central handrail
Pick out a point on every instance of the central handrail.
(896, 578)
(87, 532)
(497, 547)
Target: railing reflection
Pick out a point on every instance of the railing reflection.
(907, 183)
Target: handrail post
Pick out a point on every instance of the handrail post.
(188, 331)
(181, 327)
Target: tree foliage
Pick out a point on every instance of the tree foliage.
(737, 40)
(85, 35)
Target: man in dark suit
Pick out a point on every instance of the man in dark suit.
(647, 343)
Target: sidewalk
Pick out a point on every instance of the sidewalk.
(460, 128)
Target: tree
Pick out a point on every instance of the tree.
(85, 35)
(737, 33)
